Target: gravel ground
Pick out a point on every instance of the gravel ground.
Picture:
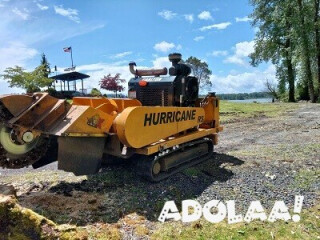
(261, 158)
(281, 159)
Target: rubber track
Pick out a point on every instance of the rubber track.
(145, 163)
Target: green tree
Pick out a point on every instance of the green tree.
(200, 70)
(44, 62)
(273, 41)
(95, 92)
(289, 37)
(30, 81)
(303, 31)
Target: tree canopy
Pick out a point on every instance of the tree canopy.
(30, 81)
(95, 92)
(288, 36)
(44, 62)
(112, 83)
(200, 70)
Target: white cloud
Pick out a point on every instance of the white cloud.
(218, 53)
(97, 70)
(2, 2)
(163, 46)
(42, 7)
(83, 29)
(35, 33)
(244, 19)
(70, 13)
(235, 59)
(241, 51)
(91, 67)
(161, 62)
(198, 38)
(167, 14)
(205, 15)
(19, 47)
(179, 47)
(189, 18)
(219, 26)
(15, 53)
(24, 14)
(243, 82)
(5, 89)
(121, 55)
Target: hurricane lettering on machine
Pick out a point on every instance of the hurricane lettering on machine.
(169, 117)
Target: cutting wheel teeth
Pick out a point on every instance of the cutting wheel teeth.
(24, 160)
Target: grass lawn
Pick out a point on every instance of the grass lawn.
(307, 228)
(231, 111)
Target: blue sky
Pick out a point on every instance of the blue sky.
(107, 35)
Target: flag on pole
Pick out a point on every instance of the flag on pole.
(67, 49)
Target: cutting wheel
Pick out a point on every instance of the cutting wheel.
(12, 146)
(14, 154)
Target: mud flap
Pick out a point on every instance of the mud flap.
(80, 155)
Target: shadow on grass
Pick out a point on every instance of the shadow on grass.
(117, 191)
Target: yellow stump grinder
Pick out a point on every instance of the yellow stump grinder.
(163, 126)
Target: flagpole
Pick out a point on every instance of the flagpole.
(71, 58)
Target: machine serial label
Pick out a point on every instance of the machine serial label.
(168, 117)
(152, 79)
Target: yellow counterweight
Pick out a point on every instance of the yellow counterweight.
(140, 126)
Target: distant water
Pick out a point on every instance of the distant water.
(259, 100)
